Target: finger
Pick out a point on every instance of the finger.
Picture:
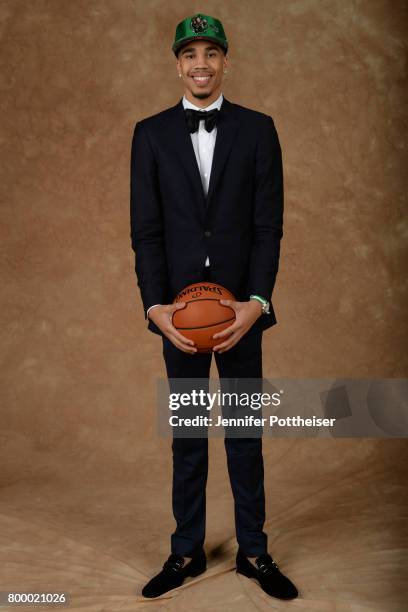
(223, 347)
(227, 344)
(169, 329)
(228, 330)
(230, 303)
(183, 347)
(180, 337)
(173, 330)
(173, 307)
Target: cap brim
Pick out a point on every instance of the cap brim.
(177, 48)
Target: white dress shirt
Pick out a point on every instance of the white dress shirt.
(203, 144)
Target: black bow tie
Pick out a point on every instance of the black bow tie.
(193, 119)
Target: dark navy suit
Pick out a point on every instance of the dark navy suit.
(174, 226)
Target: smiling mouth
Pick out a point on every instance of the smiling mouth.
(201, 80)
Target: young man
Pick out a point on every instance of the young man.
(207, 204)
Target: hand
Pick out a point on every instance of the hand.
(246, 314)
(162, 317)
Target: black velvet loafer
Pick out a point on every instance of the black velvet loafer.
(173, 574)
(270, 578)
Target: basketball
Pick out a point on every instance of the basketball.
(203, 314)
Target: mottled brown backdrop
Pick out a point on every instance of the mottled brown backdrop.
(81, 461)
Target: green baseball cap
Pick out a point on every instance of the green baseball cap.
(199, 27)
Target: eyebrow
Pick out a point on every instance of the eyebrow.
(189, 49)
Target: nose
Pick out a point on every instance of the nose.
(201, 61)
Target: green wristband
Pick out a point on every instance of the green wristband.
(262, 301)
(259, 298)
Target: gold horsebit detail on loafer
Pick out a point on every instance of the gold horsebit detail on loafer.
(266, 568)
(174, 565)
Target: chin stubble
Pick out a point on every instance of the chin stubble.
(201, 96)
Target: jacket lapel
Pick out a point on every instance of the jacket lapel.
(227, 126)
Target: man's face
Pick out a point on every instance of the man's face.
(201, 58)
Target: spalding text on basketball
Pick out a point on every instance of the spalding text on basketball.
(197, 290)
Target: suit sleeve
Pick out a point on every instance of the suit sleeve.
(146, 222)
(267, 213)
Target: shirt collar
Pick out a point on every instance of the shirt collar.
(216, 104)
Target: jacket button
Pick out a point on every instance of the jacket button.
(207, 233)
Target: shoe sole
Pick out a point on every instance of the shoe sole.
(193, 575)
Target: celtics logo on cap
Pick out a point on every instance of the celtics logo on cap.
(199, 24)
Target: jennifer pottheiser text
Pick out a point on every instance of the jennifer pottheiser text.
(250, 421)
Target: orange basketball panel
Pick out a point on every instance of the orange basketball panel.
(202, 337)
(202, 313)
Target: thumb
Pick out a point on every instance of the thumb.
(179, 305)
(226, 302)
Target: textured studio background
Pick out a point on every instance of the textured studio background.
(79, 368)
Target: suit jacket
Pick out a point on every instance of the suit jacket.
(239, 224)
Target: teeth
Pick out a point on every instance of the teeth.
(200, 78)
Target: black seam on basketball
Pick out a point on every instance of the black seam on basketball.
(205, 326)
